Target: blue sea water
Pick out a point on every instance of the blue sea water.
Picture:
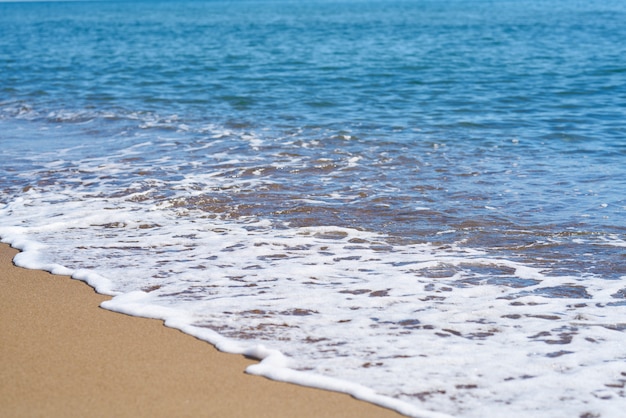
(417, 202)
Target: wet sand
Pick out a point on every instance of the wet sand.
(61, 355)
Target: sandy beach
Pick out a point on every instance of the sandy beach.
(63, 356)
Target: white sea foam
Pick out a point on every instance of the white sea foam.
(422, 328)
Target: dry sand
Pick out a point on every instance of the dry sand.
(61, 355)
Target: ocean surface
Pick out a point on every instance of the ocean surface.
(421, 203)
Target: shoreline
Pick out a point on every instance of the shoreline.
(63, 356)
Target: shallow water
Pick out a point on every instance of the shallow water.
(423, 198)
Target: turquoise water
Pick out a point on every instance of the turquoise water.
(435, 170)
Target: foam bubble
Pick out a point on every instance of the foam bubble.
(323, 297)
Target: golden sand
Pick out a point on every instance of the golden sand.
(61, 355)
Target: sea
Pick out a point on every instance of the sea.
(420, 203)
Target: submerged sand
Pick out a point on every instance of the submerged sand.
(61, 355)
